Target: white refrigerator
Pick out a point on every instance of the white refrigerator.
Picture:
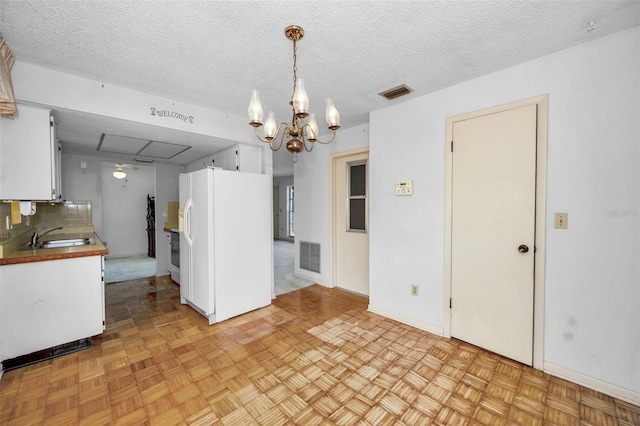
(226, 242)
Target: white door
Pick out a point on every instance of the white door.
(493, 225)
(351, 233)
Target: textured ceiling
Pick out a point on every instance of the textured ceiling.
(212, 53)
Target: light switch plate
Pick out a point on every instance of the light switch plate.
(404, 187)
(561, 220)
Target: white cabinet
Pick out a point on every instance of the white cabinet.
(249, 158)
(50, 303)
(217, 160)
(29, 156)
(240, 157)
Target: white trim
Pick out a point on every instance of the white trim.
(592, 383)
(542, 103)
(407, 320)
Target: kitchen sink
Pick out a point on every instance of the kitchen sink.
(70, 242)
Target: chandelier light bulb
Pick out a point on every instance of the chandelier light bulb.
(333, 116)
(312, 134)
(300, 100)
(255, 109)
(270, 127)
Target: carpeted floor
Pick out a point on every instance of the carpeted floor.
(118, 269)
(284, 263)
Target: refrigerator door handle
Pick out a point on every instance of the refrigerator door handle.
(187, 221)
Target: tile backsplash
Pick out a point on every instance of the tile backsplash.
(69, 213)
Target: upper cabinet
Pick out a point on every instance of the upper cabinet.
(240, 157)
(29, 156)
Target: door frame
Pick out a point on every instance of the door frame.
(540, 221)
(333, 159)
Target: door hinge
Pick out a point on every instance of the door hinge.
(451, 146)
(449, 303)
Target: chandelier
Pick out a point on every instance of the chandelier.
(300, 131)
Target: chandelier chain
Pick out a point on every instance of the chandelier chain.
(295, 66)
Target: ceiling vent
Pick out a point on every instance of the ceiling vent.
(144, 160)
(396, 92)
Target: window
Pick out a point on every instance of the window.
(290, 216)
(357, 194)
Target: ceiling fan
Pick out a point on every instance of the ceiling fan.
(119, 172)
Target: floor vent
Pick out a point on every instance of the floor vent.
(310, 256)
(396, 92)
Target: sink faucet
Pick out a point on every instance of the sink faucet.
(36, 237)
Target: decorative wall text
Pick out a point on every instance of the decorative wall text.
(172, 114)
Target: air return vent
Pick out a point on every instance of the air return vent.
(310, 256)
(396, 92)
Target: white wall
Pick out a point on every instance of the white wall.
(84, 184)
(592, 307)
(166, 181)
(311, 180)
(281, 183)
(124, 210)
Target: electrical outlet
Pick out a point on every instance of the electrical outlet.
(414, 289)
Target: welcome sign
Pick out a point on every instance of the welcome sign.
(165, 113)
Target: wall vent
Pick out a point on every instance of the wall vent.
(310, 256)
(396, 92)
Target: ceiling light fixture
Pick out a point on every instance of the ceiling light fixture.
(300, 132)
(119, 174)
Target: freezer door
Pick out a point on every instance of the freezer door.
(185, 246)
(199, 235)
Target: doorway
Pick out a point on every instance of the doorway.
(349, 174)
(125, 214)
(494, 231)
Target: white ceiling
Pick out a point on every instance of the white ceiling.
(212, 53)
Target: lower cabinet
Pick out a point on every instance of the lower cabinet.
(46, 304)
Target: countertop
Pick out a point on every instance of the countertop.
(40, 255)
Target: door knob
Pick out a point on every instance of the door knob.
(523, 248)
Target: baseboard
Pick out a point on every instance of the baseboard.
(312, 279)
(592, 383)
(406, 320)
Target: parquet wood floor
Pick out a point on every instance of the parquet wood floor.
(314, 357)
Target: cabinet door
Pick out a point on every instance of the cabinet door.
(231, 158)
(249, 159)
(27, 157)
(217, 159)
(45, 304)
